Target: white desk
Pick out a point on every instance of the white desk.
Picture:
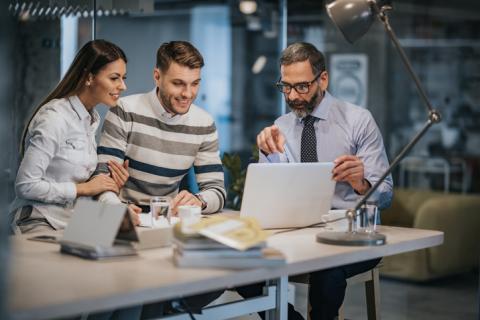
(45, 284)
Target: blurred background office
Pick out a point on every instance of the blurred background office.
(241, 42)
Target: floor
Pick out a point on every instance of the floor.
(451, 298)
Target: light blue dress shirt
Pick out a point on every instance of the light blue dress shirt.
(60, 151)
(341, 129)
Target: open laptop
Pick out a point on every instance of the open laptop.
(286, 195)
(94, 231)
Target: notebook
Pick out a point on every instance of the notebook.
(286, 195)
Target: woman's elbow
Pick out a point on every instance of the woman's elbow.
(25, 190)
(21, 190)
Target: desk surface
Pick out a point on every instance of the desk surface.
(46, 284)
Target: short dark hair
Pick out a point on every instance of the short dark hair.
(302, 51)
(181, 52)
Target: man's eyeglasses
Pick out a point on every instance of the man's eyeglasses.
(301, 87)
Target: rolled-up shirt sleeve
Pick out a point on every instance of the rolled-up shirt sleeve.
(43, 142)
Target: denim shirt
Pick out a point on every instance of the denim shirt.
(60, 151)
(341, 128)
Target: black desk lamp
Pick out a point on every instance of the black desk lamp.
(354, 18)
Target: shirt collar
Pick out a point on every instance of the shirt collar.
(321, 110)
(163, 112)
(81, 111)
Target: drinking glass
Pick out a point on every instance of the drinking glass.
(368, 217)
(160, 207)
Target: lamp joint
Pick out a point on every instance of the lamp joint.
(434, 116)
(351, 217)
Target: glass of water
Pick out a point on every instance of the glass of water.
(160, 207)
(369, 217)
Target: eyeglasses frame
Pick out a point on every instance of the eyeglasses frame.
(279, 84)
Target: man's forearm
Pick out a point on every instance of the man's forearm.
(362, 187)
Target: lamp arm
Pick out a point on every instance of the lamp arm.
(433, 115)
(394, 163)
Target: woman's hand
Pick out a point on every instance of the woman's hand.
(118, 172)
(97, 185)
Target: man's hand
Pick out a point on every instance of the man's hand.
(271, 140)
(350, 169)
(134, 211)
(118, 172)
(184, 198)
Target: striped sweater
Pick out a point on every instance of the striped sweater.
(161, 149)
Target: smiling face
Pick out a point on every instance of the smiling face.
(177, 87)
(106, 86)
(303, 104)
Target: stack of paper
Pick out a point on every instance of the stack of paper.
(222, 242)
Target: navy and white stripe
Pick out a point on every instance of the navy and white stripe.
(161, 149)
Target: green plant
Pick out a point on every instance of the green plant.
(237, 173)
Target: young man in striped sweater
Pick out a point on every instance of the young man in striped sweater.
(163, 134)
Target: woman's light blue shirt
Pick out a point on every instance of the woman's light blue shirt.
(60, 151)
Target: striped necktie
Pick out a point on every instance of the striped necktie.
(308, 148)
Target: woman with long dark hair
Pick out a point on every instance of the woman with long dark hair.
(58, 144)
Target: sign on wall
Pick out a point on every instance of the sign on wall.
(349, 77)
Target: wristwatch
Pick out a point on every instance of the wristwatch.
(200, 197)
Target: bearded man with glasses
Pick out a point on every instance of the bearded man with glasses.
(299, 107)
(321, 128)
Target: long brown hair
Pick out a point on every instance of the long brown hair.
(91, 58)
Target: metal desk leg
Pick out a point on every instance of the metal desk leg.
(281, 310)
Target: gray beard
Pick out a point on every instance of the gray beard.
(301, 113)
(307, 109)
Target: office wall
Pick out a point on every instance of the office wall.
(35, 70)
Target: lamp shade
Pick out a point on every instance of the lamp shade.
(352, 17)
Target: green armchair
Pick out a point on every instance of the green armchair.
(457, 215)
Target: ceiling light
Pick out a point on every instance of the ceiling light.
(248, 6)
(259, 64)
